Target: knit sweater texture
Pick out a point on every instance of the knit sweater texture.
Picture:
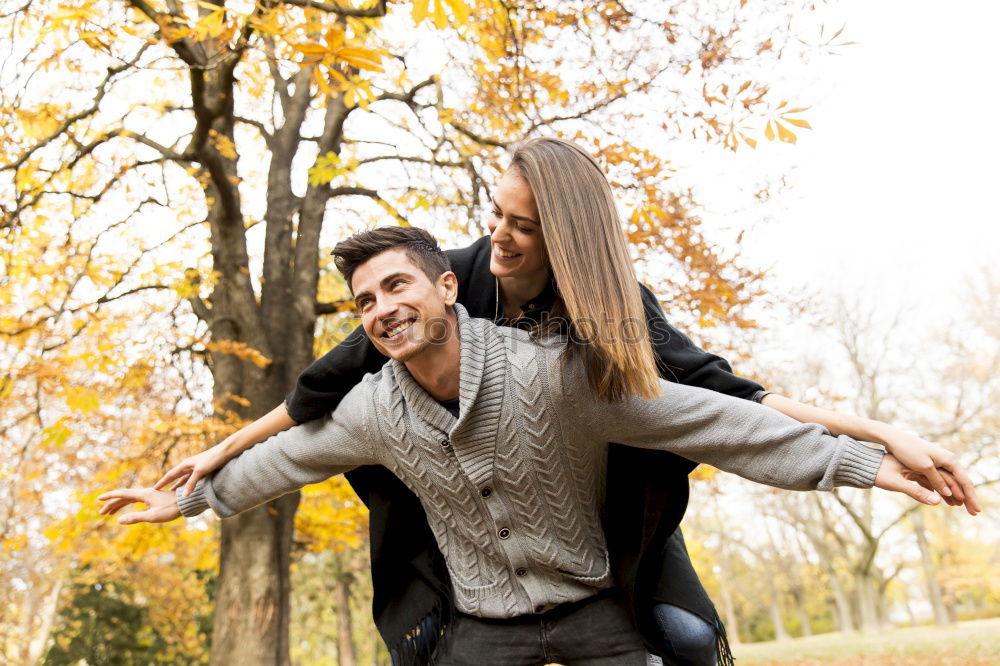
(513, 488)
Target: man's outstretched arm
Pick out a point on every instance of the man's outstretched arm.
(756, 443)
(305, 454)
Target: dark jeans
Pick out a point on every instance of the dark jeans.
(691, 640)
(592, 632)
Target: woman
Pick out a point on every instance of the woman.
(555, 240)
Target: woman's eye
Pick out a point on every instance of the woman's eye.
(497, 213)
(524, 230)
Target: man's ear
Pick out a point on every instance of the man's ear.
(447, 286)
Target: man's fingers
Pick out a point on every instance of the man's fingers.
(919, 493)
(131, 494)
(113, 507)
(135, 517)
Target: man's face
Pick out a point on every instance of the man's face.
(402, 311)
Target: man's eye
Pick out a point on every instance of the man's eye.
(396, 283)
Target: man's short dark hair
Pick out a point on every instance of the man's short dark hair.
(422, 249)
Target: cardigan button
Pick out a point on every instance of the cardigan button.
(445, 443)
(486, 492)
(521, 572)
(503, 533)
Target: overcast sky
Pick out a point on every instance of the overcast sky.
(894, 189)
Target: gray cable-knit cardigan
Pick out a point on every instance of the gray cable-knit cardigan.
(513, 488)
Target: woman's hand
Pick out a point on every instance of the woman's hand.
(934, 467)
(187, 472)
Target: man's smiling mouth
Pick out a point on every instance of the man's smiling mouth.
(398, 328)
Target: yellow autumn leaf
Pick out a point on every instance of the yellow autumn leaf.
(419, 10)
(460, 10)
(224, 145)
(785, 134)
(38, 123)
(362, 58)
(82, 399)
(798, 122)
(210, 25)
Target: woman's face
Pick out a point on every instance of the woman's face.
(515, 231)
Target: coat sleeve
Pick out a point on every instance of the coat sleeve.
(680, 360)
(304, 454)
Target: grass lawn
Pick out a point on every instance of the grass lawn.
(974, 643)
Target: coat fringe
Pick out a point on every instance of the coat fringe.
(420, 645)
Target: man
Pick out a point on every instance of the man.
(504, 443)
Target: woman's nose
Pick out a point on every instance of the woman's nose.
(499, 229)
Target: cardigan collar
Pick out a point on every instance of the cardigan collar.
(481, 378)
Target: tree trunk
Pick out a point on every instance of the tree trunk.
(780, 632)
(345, 627)
(800, 609)
(845, 619)
(50, 606)
(732, 620)
(941, 615)
(868, 614)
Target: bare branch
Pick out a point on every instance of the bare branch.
(369, 12)
(102, 90)
(481, 139)
(407, 97)
(410, 158)
(108, 299)
(332, 307)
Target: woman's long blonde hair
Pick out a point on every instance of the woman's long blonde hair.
(591, 266)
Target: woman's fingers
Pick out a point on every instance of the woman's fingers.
(949, 463)
(962, 489)
(972, 505)
(936, 480)
(175, 473)
(192, 481)
(180, 482)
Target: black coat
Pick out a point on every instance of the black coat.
(647, 491)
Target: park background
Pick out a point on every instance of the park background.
(806, 185)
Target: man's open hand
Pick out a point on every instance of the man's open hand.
(161, 506)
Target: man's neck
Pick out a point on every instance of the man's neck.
(437, 368)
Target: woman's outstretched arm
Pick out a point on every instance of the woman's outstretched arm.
(188, 471)
(913, 452)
